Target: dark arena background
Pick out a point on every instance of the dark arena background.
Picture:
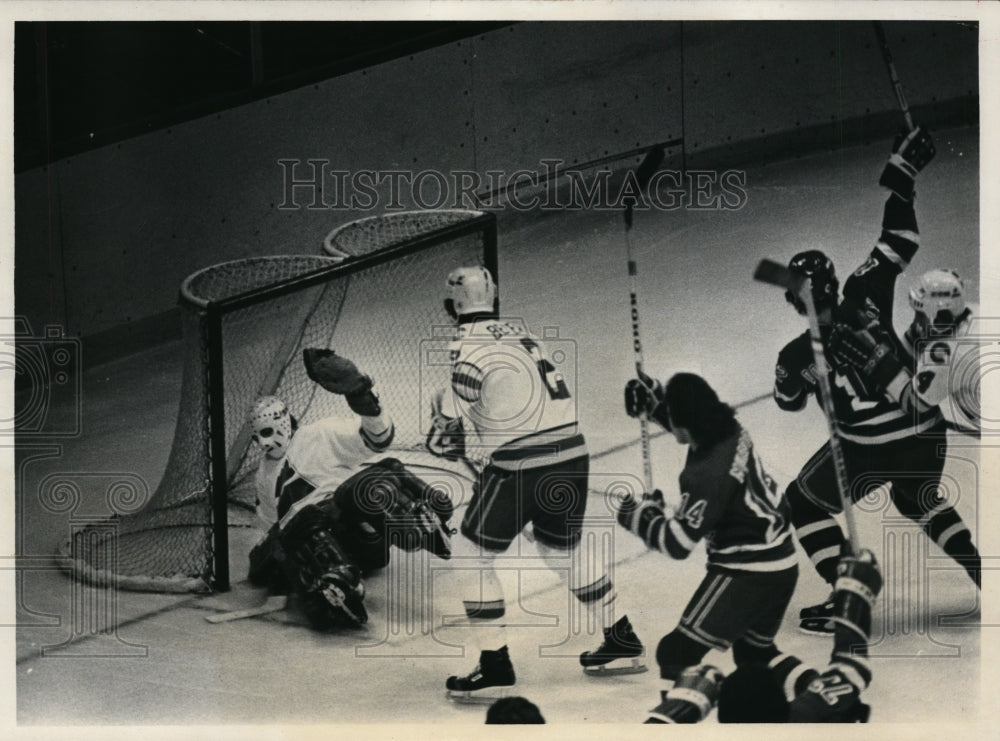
(145, 152)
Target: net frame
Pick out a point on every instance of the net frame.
(206, 315)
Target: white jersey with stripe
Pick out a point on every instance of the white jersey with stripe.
(948, 374)
(324, 453)
(514, 403)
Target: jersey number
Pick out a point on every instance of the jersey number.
(831, 687)
(694, 515)
(552, 378)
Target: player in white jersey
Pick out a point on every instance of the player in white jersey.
(947, 372)
(510, 411)
(332, 505)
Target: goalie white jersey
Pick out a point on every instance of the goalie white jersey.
(948, 375)
(514, 403)
(324, 454)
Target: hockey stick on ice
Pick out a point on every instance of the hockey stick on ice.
(271, 604)
(893, 77)
(650, 163)
(777, 274)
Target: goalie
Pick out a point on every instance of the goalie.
(332, 507)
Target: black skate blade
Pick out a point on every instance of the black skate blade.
(617, 667)
(485, 696)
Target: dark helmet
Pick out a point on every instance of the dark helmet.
(816, 266)
(695, 406)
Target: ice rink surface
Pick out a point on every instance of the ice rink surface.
(565, 274)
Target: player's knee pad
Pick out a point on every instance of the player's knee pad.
(481, 589)
(559, 559)
(804, 510)
(676, 652)
(746, 652)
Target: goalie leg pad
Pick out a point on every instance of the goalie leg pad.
(324, 572)
(267, 564)
(391, 498)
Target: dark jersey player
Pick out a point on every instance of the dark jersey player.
(729, 500)
(887, 434)
(783, 689)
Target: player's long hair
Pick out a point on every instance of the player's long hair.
(695, 406)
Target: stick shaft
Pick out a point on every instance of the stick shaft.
(647, 461)
(271, 604)
(893, 77)
(826, 399)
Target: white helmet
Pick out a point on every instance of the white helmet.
(272, 425)
(470, 290)
(940, 296)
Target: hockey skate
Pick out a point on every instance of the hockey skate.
(492, 679)
(816, 620)
(620, 653)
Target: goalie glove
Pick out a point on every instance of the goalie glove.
(910, 154)
(642, 396)
(446, 437)
(338, 375)
(873, 358)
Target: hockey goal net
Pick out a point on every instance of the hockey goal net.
(374, 295)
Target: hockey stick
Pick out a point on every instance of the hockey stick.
(893, 77)
(776, 274)
(271, 604)
(650, 163)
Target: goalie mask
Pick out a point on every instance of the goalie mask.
(272, 425)
(471, 290)
(816, 266)
(938, 300)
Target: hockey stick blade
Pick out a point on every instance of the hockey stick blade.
(890, 65)
(649, 165)
(643, 174)
(776, 274)
(271, 604)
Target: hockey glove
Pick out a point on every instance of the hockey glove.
(874, 359)
(642, 396)
(446, 437)
(338, 375)
(638, 516)
(910, 154)
(692, 697)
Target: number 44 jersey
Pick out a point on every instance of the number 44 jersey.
(515, 404)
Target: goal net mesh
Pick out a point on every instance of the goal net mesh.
(387, 316)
